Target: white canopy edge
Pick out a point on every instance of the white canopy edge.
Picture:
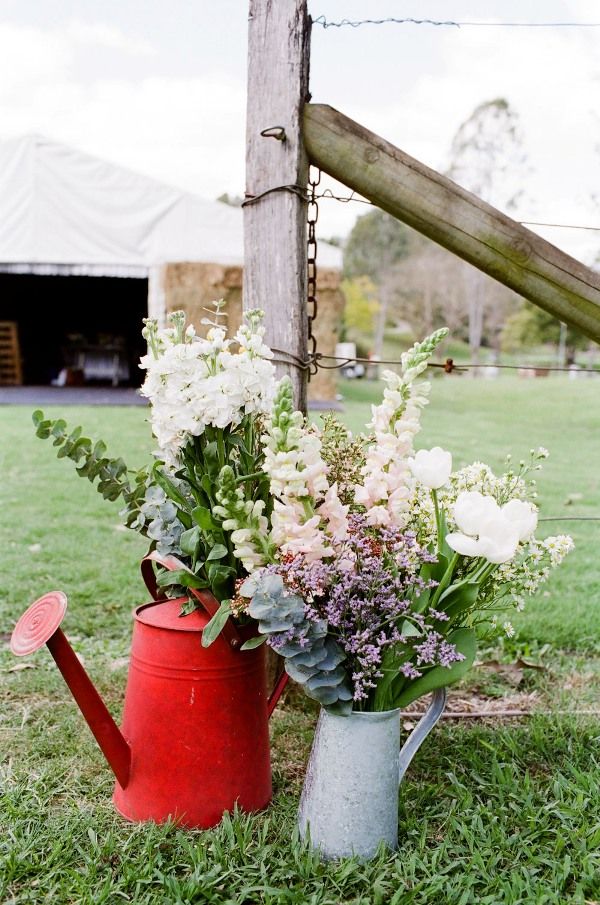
(77, 270)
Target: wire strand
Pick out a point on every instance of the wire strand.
(449, 365)
(356, 23)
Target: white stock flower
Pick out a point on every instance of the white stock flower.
(523, 516)
(485, 530)
(293, 535)
(335, 514)
(386, 474)
(431, 467)
(193, 382)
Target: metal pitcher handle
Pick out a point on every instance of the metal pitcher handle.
(207, 602)
(414, 741)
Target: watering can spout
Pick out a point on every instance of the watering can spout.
(39, 625)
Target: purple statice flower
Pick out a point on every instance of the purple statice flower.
(435, 650)
(366, 598)
(437, 615)
(410, 671)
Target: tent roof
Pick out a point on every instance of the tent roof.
(64, 211)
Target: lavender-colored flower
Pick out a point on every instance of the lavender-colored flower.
(364, 597)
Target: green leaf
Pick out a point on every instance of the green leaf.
(439, 676)
(181, 577)
(252, 643)
(169, 488)
(435, 570)
(217, 552)
(409, 629)
(189, 540)
(458, 598)
(206, 484)
(189, 606)
(203, 517)
(218, 571)
(213, 629)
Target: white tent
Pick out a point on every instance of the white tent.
(64, 216)
(65, 212)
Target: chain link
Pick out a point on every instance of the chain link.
(312, 216)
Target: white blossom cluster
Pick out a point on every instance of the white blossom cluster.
(387, 482)
(308, 516)
(522, 576)
(193, 382)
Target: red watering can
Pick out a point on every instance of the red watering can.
(195, 736)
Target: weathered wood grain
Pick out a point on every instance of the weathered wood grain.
(275, 226)
(453, 217)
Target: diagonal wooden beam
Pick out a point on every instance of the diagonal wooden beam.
(448, 214)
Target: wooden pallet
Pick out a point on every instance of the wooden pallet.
(10, 355)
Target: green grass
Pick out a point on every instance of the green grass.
(489, 813)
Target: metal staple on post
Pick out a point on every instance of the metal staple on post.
(312, 216)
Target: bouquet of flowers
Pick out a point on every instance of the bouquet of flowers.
(370, 568)
(386, 564)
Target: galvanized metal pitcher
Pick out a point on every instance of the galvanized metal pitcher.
(349, 802)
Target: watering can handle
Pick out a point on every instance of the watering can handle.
(229, 632)
(429, 719)
(210, 606)
(277, 692)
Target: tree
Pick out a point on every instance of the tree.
(532, 326)
(487, 158)
(375, 246)
(361, 309)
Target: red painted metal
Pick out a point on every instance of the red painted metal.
(105, 730)
(196, 719)
(39, 625)
(195, 738)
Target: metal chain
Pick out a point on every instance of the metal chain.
(312, 215)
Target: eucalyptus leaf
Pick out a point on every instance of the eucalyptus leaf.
(253, 643)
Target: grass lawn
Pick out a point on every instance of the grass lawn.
(490, 812)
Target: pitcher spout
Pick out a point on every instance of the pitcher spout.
(39, 625)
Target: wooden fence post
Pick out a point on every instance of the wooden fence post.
(275, 224)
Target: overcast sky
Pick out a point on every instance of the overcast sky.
(160, 87)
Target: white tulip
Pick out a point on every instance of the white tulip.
(431, 467)
(523, 516)
(472, 508)
(486, 530)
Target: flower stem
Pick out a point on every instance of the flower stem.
(438, 519)
(446, 578)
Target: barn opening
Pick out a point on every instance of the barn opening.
(76, 330)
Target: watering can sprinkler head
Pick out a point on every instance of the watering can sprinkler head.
(39, 625)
